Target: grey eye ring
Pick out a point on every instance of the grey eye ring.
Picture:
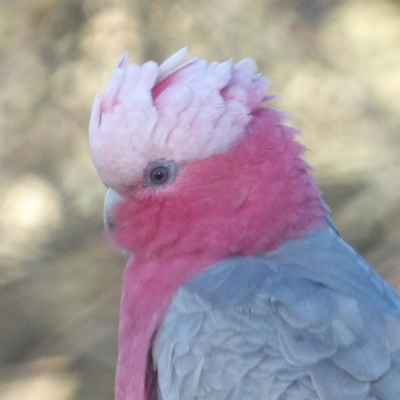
(160, 173)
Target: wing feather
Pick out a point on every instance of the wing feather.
(273, 329)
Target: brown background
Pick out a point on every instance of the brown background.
(336, 65)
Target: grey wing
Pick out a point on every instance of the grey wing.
(245, 329)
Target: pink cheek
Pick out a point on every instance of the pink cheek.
(132, 225)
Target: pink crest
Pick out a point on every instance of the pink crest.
(178, 111)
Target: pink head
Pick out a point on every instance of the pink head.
(199, 162)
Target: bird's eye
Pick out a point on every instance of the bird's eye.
(160, 173)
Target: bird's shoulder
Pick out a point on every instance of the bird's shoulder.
(308, 321)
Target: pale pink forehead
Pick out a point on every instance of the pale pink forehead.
(181, 112)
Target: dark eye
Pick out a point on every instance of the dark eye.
(159, 175)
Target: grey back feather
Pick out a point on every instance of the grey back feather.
(308, 321)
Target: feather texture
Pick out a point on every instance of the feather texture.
(263, 328)
(182, 112)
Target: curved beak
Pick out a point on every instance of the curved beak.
(112, 198)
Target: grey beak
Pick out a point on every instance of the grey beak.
(111, 199)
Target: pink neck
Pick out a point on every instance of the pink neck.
(146, 294)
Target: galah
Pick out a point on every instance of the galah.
(238, 285)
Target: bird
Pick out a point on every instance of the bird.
(238, 285)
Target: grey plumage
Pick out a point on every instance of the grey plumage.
(310, 320)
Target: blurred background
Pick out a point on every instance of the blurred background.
(336, 65)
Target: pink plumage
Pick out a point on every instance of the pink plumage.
(241, 187)
(190, 112)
